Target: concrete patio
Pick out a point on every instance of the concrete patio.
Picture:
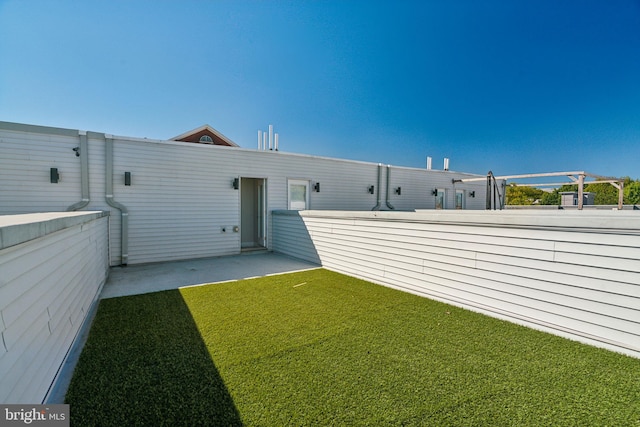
(141, 279)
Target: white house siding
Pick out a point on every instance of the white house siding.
(181, 195)
(53, 267)
(576, 274)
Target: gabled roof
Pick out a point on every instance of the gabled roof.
(195, 135)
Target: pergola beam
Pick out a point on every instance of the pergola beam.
(577, 178)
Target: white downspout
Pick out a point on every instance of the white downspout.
(84, 172)
(389, 205)
(124, 226)
(377, 206)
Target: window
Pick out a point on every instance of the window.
(459, 199)
(206, 139)
(440, 198)
(298, 194)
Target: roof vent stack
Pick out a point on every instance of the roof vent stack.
(268, 139)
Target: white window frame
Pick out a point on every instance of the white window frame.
(298, 182)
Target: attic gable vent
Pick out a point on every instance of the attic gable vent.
(206, 139)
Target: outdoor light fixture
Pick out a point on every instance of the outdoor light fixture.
(371, 189)
(472, 194)
(434, 192)
(127, 178)
(316, 187)
(54, 176)
(77, 150)
(398, 191)
(236, 183)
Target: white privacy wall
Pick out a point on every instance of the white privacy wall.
(52, 268)
(576, 274)
(181, 196)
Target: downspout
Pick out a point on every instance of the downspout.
(83, 152)
(377, 206)
(124, 226)
(389, 205)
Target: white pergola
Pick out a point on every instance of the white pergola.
(580, 178)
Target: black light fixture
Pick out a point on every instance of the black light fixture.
(127, 178)
(236, 183)
(54, 176)
(398, 191)
(434, 192)
(371, 189)
(472, 194)
(316, 187)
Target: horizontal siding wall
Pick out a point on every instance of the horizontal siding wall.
(181, 197)
(47, 287)
(576, 274)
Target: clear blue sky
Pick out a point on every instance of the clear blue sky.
(509, 86)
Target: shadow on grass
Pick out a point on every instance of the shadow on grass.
(145, 363)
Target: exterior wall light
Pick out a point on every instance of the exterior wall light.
(472, 194)
(235, 183)
(371, 189)
(434, 192)
(127, 178)
(54, 176)
(316, 187)
(398, 191)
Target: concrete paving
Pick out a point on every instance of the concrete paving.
(140, 279)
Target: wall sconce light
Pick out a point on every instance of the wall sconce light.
(398, 191)
(472, 194)
(77, 150)
(371, 189)
(236, 183)
(54, 176)
(127, 178)
(316, 187)
(434, 192)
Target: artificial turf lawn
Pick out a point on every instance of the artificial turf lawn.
(318, 348)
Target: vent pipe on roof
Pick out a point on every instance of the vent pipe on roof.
(429, 163)
(267, 138)
(446, 163)
(124, 226)
(83, 152)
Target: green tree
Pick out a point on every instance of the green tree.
(632, 193)
(550, 198)
(605, 194)
(517, 195)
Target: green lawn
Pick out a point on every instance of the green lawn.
(318, 348)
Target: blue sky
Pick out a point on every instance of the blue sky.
(509, 86)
